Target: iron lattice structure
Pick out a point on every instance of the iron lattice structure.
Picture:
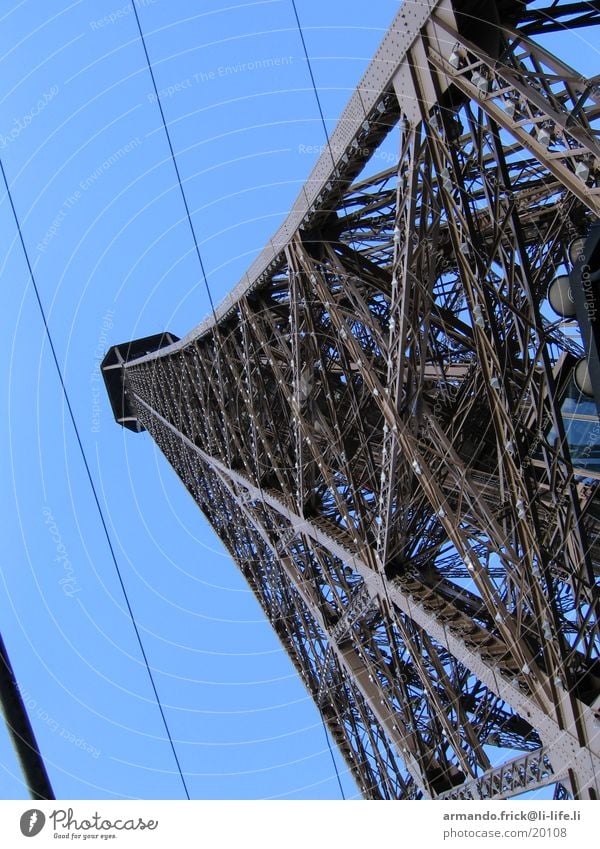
(374, 420)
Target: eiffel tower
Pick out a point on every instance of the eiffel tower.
(391, 421)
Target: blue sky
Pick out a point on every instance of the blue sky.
(87, 160)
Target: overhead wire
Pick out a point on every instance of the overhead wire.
(88, 472)
(320, 108)
(168, 135)
(193, 230)
(312, 79)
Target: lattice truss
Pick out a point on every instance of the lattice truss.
(374, 428)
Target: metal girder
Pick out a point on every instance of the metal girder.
(382, 414)
(352, 713)
(527, 772)
(476, 649)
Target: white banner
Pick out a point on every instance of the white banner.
(298, 825)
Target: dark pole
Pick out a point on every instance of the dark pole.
(21, 731)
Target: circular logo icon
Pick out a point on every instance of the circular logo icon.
(32, 822)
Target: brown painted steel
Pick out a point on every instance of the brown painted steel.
(377, 426)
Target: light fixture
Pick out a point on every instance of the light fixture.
(478, 316)
(543, 136)
(454, 60)
(483, 84)
(446, 181)
(510, 107)
(582, 171)
(576, 250)
(582, 377)
(560, 296)
(495, 383)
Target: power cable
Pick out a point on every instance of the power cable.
(89, 474)
(185, 203)
(320, 108)
(312, 78)
(193, 231)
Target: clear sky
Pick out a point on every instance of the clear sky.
(87, 160)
